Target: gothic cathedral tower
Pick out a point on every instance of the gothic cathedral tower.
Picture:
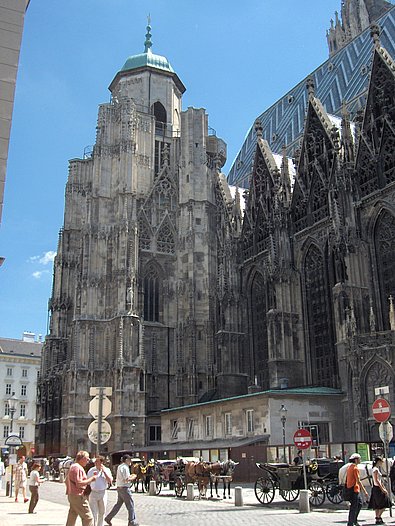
(133, 303)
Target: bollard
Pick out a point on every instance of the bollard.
(190, 492)
(152, 487)
(61, 477)
(238, 496)
(304, 503)
(47, 475)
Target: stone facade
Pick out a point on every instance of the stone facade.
(318, 254)
(165, 292)
(11, 28)
(356, 16)
(134, 295)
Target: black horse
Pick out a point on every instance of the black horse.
(222, 471)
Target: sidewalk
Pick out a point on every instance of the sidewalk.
(166, 510)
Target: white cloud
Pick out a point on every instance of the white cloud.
(39, 273)
(46, 258)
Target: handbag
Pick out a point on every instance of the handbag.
(87, 490)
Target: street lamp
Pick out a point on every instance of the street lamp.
(132, 432)
(283, 412)
(12, 401)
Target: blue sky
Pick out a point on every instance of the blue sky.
(235, 59)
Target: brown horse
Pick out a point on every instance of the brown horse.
(141, 472)
(224, 471)
(198, 472)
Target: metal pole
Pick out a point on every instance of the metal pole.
(12, 411)
(99, 421)
(283, 420)
(304, 469)
(385, 441)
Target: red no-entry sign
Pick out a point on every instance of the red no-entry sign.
(302, 439)
(381, 410)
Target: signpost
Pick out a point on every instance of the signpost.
(93, 432)
(381, 410)
(303, 440)
(99, 431)
(13, 440)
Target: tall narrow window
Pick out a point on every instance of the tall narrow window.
(22, 432)
(6, 409)
(260, 351)
(208, 425)
(322, 349)
(7, 389)
(190, 428)
(385, 250)
(250, 420)
(23, 389)
(22, 410)
(151, 296)
(228, 423)
(160, 114)
(6, 431)
(174, 429)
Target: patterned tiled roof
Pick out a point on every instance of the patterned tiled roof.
(343, 77)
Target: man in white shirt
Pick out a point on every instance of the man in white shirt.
(98, 496)
(2, 473)
(124, 479)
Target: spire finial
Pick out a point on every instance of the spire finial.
(148, 41)
(310, 87)
(375, 34)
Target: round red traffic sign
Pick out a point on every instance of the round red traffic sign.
(302, 439)
(381, 410)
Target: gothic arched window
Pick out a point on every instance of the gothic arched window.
(151, 295)
(165, 240)
(319, 318)
(384, 238)
(159, 112)
(260, 348)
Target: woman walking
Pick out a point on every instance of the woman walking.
(21, 478)
(379, 500)
(34, 483)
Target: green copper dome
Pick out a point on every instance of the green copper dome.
(147, 58)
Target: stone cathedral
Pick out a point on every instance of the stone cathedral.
(171, 291)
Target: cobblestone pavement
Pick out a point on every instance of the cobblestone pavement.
(166, 510)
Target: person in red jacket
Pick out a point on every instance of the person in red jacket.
(353, 481)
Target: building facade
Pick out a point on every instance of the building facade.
(166, 292)
(134, 295)
(11, 28)
(20, 362)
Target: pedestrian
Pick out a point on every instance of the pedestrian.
(379, 499)
(98, 496)
(21, 478)
(298, 460)
(34, 483)
(124, 480)
(76, 482)
(353, 481)
(2, 473)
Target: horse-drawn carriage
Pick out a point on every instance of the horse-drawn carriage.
(322, 481)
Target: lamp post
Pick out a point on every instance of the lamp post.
(132, 432)
(283, 412)
(12, 401)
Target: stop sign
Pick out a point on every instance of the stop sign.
(302, 439)
(381, 410)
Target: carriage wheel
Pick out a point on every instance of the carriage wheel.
(179, 486)
(158, 486)
(333, 492)
(317, 493)
(264, 490)
(289, 495)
